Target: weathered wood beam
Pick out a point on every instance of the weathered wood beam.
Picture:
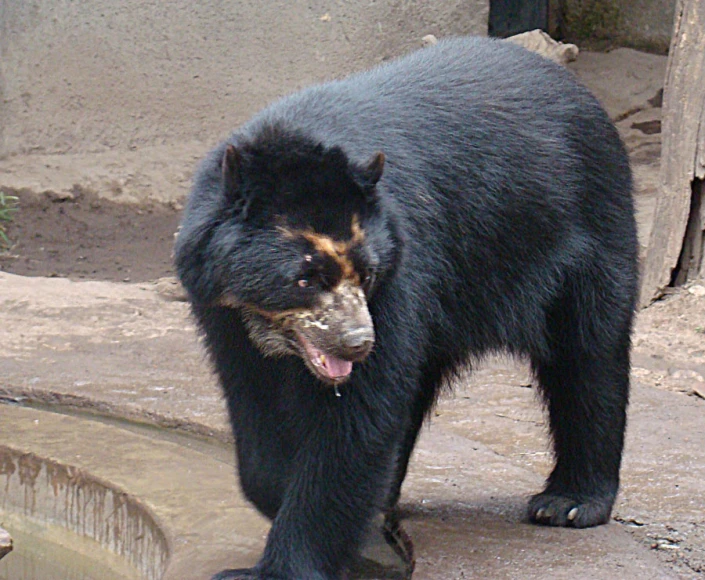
(675, 245)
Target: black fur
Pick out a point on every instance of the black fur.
(502, 221)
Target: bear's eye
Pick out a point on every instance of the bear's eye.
(314, 278)
(305, 280)
(313, 275)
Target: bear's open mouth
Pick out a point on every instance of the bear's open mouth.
(326, 366)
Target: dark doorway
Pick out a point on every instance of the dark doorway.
(508, 17)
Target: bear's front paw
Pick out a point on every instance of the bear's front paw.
(552, 509)
(240, 574)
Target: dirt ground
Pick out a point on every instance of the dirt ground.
(82, 236)
(114, 344)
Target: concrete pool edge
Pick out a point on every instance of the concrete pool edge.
(191, 500)
(78, 502)
(58, 401)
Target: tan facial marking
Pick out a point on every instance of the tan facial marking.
(336, 250)
(274, 315)
(357, 231)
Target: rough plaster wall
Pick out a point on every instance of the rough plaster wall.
(102, 74)
(641, 24)
(649, 22)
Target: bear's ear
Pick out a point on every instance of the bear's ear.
(232, 166)
(336, 156)
(374, 169)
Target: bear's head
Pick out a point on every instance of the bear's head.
(294, 236)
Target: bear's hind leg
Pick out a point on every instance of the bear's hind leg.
(418, 414)
(585, 383)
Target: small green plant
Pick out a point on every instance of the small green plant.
(8, 206)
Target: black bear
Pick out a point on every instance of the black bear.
(354, 244)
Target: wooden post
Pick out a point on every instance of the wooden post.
(675, 253)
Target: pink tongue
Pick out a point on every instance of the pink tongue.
(337, 367)
(333, 367)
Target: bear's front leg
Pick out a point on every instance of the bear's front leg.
(340, 480)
